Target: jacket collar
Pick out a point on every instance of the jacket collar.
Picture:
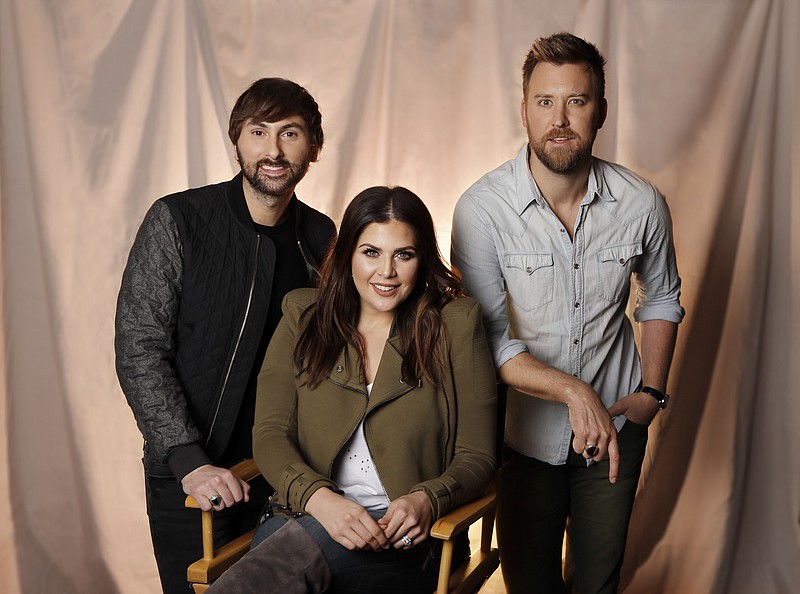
(388, 382)
(238, 205)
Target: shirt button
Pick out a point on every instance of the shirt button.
(339, 368)
(621, 261)
(577, 305)
(577, 266)
(576, 341)
(529, 270)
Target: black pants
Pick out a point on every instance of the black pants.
(176, 530)
(537, 502)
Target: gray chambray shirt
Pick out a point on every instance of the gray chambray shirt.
(564, 300)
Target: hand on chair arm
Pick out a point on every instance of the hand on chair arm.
(207, 482)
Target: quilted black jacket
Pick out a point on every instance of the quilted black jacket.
(191, 309)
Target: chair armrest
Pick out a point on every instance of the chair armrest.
(245, 470)
(459, 519)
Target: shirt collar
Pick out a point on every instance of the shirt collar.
(528, 192)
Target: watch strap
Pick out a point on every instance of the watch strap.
(663, 399)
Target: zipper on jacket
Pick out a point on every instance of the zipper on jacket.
(361, 419)
(310, 268)
(353, 430)
(238, 338)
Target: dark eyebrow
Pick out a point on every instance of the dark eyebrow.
(549, 95)
(290, 125)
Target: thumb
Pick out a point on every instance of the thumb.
(616, 409)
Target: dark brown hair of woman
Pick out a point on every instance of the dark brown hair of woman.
(332, 323)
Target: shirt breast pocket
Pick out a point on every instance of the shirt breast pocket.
(615, 264)
(529, 279)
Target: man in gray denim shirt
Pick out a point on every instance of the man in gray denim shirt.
(547, 242)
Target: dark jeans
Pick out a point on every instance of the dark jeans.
(538, 501)
(365, 572)
(176, 531)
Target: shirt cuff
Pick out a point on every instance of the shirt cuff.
(669, 313)
(184, 459)
(508, 351)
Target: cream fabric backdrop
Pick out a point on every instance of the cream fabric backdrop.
(107, 105)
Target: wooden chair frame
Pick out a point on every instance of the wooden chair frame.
(469, 577)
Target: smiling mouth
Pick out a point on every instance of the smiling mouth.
(273, 170)
(384, 288)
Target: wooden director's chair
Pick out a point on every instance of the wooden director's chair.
(469, 577)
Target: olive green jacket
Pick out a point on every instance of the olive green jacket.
(439, 439)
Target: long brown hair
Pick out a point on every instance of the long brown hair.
(332, 322)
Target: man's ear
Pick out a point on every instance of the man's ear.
(314, 155)
(602, 112)
(236, 153)
(523, 113)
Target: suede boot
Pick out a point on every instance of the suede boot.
(288, 562)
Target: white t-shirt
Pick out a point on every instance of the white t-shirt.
(355, 473)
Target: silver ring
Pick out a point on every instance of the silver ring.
(215, 500)
(591, 450)
(406, 541)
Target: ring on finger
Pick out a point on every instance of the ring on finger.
(215, 500)
(591, 450)
(406, 540)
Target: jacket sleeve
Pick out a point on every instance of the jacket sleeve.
(147, 310)
(275, 443)
(474, 388)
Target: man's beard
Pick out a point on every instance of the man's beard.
(274, 186)
(562, 160)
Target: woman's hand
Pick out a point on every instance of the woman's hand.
(408, 516)
(348, 523)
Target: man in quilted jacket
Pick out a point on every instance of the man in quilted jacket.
(199, 300)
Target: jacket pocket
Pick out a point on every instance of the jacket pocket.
(615, 264)
(529, 279)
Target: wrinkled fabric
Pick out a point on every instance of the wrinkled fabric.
(106, 105)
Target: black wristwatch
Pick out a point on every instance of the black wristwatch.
(663, 399)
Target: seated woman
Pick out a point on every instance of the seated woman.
(375, 413)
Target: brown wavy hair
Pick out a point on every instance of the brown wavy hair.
(274, 99)
(332, 322)
(566, 48)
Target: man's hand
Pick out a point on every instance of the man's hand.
(593, 426)
(638, 407)
(408, 516)
(347, 522)
(591, 423)
(207, 481)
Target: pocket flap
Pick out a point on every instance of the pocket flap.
(528, 263)
(620, 253)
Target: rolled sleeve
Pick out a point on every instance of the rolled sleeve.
(658, 283)
(473, 252)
